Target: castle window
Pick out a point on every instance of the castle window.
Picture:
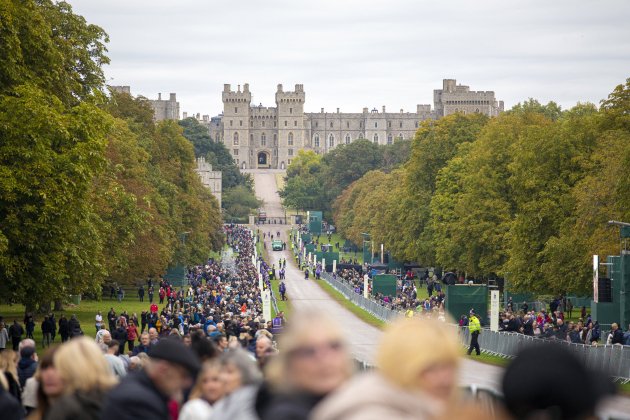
(274, 123)
(348, 124)
(275, 152)
(361, 136)
(251, 139)
(331, 124)
(400, 136)
(477, 110)
(290, 142)
(295, 123)
(375, 125)
(290, 152)
(275, 139)
(316, 124)
(390, 139)
(240, 123)
(263, 139)
(316, 140)
(263, 123)
(231, 123)
(235, 139)
(389, 124)
(376, 138)
(235, 152)
(361, 124)
(331, 141)
(290, 110)
(401, 124)
(347, 138)
(285, 123)
(416, 124)
(288, 162)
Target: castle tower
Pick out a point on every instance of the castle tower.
(290, 123)
(236, 123)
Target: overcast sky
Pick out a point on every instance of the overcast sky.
(356, 53)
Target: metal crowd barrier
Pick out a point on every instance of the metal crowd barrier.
(613, 359)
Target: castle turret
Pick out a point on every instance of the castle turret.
(236, 116)
(290, 122)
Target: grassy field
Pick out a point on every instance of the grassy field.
(85, 312)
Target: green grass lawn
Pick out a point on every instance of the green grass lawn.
(85, 312)
(343, 301)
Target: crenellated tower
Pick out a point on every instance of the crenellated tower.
(290, 123)
(236, 124)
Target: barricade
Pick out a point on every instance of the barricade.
(615, 360)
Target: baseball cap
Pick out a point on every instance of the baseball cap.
(174, 351)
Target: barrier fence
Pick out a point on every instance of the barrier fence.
(611, 359)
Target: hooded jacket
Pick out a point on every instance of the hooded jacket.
(371, 396)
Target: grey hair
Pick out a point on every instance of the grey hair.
(250, 374)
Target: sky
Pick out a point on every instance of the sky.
(351, 54)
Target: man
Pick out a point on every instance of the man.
(15, 332)
(27, 364)
(264, 349)
(283, 290)
(220, 340)
(141, 293)
(46, 332)
(474, 326)
(144, 317)
(147, 394)
(150, 294)
(617, 334)
(111, 319)
(153, 336)
(64, 330)
(115, 363)
(277, 323)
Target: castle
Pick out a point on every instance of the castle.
(270, 137)
(163, 109)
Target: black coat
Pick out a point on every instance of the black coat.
(297, 406)
(10, 408)
(63, 327)
(135, 398)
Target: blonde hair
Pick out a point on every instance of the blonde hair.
(82, 366)
(207, 366)
(278, 371)
(411, 345)
(8, 362)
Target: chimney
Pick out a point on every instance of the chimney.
(322, 110)
(337, 110)
(159, 96)
(383, 109)
(246, 88)
(173, 97)
(280, 88)
(365, 110)
(239, 88)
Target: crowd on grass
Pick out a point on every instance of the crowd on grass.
(206, 353)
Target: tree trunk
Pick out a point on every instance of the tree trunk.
(58, 305)
(44, 308)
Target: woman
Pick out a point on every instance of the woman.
(240, 378)
(207, 391)
(4, 336)
(132, 335)
(85, 376)
(98, 321)
(417, 377)
(8, 367)
(313, 361)
(49, 386)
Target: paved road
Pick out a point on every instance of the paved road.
(362, 337)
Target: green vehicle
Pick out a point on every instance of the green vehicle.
(276, 245)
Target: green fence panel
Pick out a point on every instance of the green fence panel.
(385, 284)
(461, 298)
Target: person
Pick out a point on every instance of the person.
(474, 326)
(147, 393)
(277, 324)
(141, 293)
(617, 334)
(9, 406)
(132, 335)
(74, 327)
(264, 348)
(29, 322)
(283, 291)
(306, 274)
(525, 398)
(207, 390)
(15, 332)
(86, 378)
(241, 378)
(417, 361)
(27, 364)
(98, 321)
(313, 361)
(111, 319)
(114, 362)
(570, 308)
(4, 337)
(120, 334)
(46, 332)
(144, 346)
(8, 368)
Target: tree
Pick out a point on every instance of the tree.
(304, 188)
(238, 203)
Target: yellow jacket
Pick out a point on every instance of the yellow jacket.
(474, 324)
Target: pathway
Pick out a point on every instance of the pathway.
(362, 337)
